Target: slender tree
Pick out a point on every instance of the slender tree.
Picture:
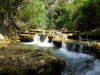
(7, 13)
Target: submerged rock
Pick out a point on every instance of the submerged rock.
(38, 62)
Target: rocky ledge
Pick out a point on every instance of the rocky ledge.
(28, 62)
(91, 48)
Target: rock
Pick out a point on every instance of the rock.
(57, 39)
(1, 37)
(26, 37)
(38, 62)
(92, 48)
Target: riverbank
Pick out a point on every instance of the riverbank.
(6, 41)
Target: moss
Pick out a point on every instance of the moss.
(28, 62)
(26, 37)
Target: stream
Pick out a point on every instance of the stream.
(76, 63)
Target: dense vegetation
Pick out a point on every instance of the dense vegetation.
(49, 14)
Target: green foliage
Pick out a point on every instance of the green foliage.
(83, 14)
(61, 15)
(79, 14)
(34, 14)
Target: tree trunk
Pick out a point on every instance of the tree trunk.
(10, 10)
(6, 23)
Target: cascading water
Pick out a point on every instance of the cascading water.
(38, 42)
(81, 48)
(77, 63)
(37, 38)
(73, 48)
(63, 45)
(46, 40)
(80, 38)
(46, 43)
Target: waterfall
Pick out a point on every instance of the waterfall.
(46, 43)
(73, 48)
(66, 37)
(76, 63)
(80, 38)
(36, 38)
(46, 40)
(40, 43)
(81, 48)
(63, 45)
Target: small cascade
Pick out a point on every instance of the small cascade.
(76, 63)
(36, 38)
(38, 42)
(66, 37)
(75, 47)
(46, 40)
(80, 38)
(77, 66)
(81, 48)
(63, 45)
(46, 43)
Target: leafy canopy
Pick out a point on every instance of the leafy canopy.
(34, 14)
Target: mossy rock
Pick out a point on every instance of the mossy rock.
(92, 48)
(38, 62)
(26, 37)
(58, 37)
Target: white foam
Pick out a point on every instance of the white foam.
(38, 42)
(66, 53)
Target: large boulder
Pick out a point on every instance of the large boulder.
(28, 62)
(57, 39)
(26, 37)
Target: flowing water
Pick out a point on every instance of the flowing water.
(76, 63)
